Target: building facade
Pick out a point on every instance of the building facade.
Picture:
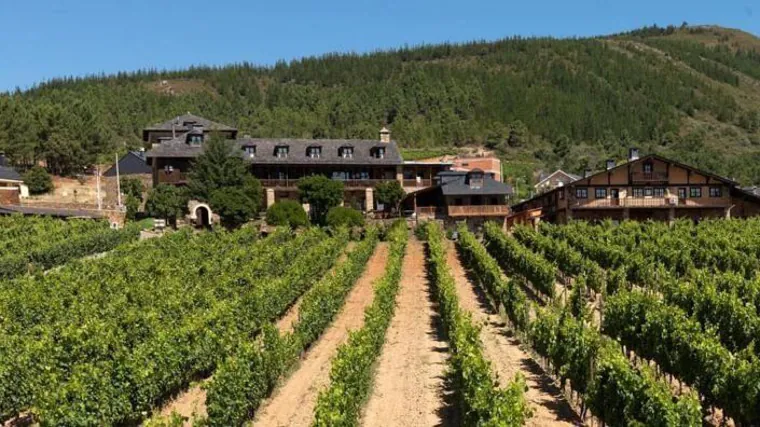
(475, 196)
(11, 184)
(651, 187)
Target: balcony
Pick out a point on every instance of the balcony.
(430, 212)
(649, 202)
(648, 177)
(348, 183)
(417, 183)
(173, 177)
(479, 210)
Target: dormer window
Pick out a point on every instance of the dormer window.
(314, 152)
(250, 151)
(346, 152)
(378, 152)
(476, 179)
(281, 152)
(195, 139)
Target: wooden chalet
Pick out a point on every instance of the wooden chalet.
(650, 187)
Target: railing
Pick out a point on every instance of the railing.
(348, 183)
(174, 177)
(479, 210)
(648, 202)
(429, 211)
(649, 176)
(418, 183)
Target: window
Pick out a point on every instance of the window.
(250, 150)
(638, 192)
(715, 192)
(347, 152)
(562, 194)
(695, 192)
(581, 193)
(314, 152)
(378, 152)
(600, 193)
(648, 167)
(648, 192)
(195, 139)
(659, 192)
(681, 193)
(281, 152)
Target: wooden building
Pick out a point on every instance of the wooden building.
(457, 195)
(650, 187)
(11, 184)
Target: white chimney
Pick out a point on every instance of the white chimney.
(633, 154)
(610, 164)
(385, 135)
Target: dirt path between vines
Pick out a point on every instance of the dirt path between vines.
(506, 357)
(294, 401)
(191, 404)
(409, 387)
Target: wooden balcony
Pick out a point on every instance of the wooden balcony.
(649, 202)
(348, 183)
(174, 177)
(478, 210)
(649, 177)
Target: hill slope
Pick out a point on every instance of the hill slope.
(689, 92)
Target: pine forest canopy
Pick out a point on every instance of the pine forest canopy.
(690, 93)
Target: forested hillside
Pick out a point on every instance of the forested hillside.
(692, 93)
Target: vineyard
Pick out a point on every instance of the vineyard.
(582, 324)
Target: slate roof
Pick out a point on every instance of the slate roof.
(265, 151)
(132, 163)
(7, 173)
(178, 124)
(179, 121)
(457, 184)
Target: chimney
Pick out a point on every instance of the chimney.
(610, 164)
(385, 135)
(587, 173)
(633, 154)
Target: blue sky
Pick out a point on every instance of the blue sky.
(42, 39)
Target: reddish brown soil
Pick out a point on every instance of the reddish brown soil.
(294, 402)
(409, 382)
(506, 357)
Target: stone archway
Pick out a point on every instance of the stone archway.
(200, 214)
(203, 216)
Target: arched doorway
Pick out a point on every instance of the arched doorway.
(202, 216)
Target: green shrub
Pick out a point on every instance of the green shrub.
(340, 216)
(287, 213)
(38, 180)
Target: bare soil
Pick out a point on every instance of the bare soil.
(409, 388)
(191, 403)
(507, 358)
(294, 401)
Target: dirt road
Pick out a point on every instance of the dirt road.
(293, 402)
(409, 383)
(507, 358)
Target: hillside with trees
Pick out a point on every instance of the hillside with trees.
(691, 93)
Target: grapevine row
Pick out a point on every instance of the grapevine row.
(352, 369)
(484, 402)
(616, 392)
(249, 375)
